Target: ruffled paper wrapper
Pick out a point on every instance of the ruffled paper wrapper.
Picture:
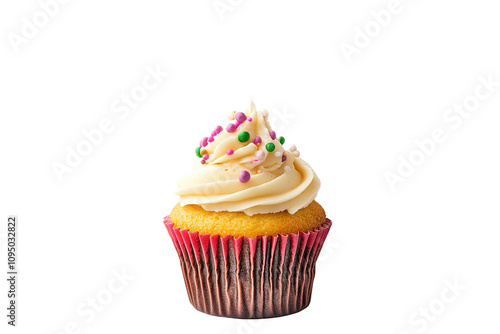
(259, 277)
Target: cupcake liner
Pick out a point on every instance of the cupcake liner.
(259, 277)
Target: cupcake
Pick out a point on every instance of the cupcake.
(247, 229)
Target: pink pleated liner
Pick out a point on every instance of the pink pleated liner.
(244, 277)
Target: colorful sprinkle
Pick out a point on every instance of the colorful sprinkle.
(244, 136)
(218, 129)
(198, 153)
(231, 128)
(272, 134)
(270, 147)
(283, 158)
(292, 148)
(204, 142)
(249, 119)
(287, 168)
(282, 140)
(205, 157)
(260, 155)
(237, 124)
(240, 117)
(244, 176)
(229, 152)
(203, 162)
(214, 133)
(211, 139)
(257, 140)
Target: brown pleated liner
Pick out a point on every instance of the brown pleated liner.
(259, 277)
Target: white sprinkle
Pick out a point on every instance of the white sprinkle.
(260, 155)
(292, 148)
(287, 168)
(296, 153)
(265, 113)
(278, 154)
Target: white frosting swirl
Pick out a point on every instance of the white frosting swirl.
(275, 185)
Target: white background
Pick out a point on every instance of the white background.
(389, 253)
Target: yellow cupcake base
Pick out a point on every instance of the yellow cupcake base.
(238, 224)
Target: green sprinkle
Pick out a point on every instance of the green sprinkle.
(198, 153)
(270, 147)
(243, 136)
(282, 140)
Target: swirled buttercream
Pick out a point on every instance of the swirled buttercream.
(244, 167)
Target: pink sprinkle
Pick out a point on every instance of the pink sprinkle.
(237, 123)
(211, 139)
(249, 119)
(218, 129)
(205, 157)
(272, 134)
(231, 128)
(244, 176)
(257, 140)
(256, 160)
(204, 142)
(230, 152)
(214, 133)
(240, 117)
